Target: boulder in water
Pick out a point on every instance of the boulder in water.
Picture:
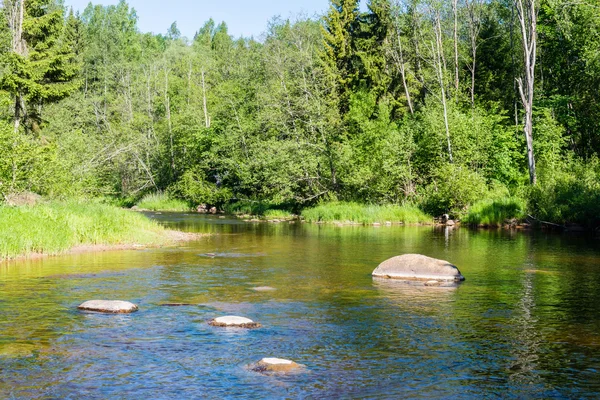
(275, 365)
(234, 322)
(109, 306)
(417, 267)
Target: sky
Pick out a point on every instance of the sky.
(243, 17)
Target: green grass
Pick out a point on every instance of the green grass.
(496, 212)
(54, 228)
(258, 209)
(278, 214)
(162, 202)
(365, 214)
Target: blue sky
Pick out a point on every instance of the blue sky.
(243, 17)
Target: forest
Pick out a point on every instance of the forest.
(443, 105)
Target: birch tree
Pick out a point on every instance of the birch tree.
(527, 13)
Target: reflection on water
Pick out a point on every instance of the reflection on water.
(525, 324)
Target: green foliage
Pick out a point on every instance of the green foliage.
(496, 212)
(452, 190)
(279, 214)
(56, 227)
(569, 195)
(162, 202)
(365, 214)
(43, 69)
(350, 107)
(193, 188)
(258, 209)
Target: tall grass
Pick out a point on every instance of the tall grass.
(258, 209)
(56, 227)
(496, 212)
(365, 214)
(162, 202)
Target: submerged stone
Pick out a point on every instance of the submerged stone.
(234, 322)
(276, 365)
(109, 306)
(264, 289)
(419, 268)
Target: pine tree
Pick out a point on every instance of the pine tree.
(339, 56)
(372, 39)
(42, 67)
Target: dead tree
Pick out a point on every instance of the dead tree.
(527, 13)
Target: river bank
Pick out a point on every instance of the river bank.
(56, 228)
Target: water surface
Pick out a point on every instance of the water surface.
(525, 324)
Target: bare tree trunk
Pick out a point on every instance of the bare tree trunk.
(455, 11)
(402, 68)
(189, 83)
(527, 11)
(17, 11)
(204, 103)
(169, 123)
(474, 11)
(438, 61)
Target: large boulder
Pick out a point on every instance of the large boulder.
(416, 267)
(109, 306)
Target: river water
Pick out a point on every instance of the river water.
(525, 323)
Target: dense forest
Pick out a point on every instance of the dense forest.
(433, 103)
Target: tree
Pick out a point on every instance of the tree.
(41, 66)
(527, 11)
(339, 57)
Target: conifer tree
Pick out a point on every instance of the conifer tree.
(41, 66)
(339, 56)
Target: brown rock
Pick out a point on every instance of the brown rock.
(277, 365)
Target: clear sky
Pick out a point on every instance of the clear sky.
(243, 17)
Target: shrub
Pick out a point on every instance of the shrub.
(496, 212)
(452, 190)
(162, 202)
(571, 195)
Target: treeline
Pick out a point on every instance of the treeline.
(433, 103)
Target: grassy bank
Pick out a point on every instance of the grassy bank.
(162, 202)
(258, 209)
(55, 228)
(496, 212)
(354, 213)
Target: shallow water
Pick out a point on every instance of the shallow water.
(525, 324)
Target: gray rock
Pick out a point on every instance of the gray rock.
(264, 289)
(419, 268)
(109, 306)
(234, 322)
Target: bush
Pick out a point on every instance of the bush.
(496, 212)
(452, 190)
(196, 190)
(162, 202)
(571, 195)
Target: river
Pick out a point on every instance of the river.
(524, 324)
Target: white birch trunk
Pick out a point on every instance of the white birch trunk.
(527, 11)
